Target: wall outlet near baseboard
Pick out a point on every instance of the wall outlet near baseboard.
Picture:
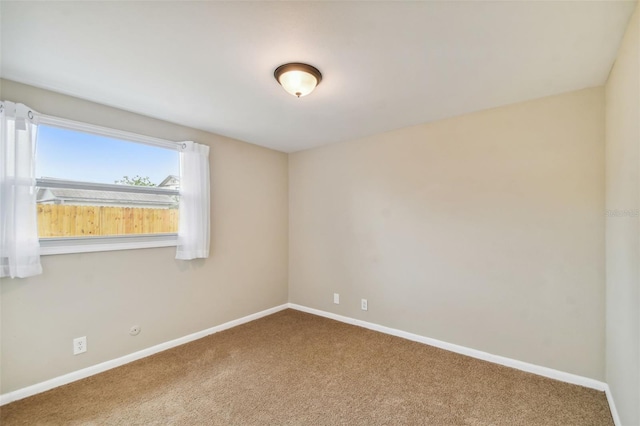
(79, 345)
(364, 305)
(336, 298)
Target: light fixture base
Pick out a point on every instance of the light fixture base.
(297, 78)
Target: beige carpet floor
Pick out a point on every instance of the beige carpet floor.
(293, 368)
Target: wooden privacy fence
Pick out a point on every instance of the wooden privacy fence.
(83, 221)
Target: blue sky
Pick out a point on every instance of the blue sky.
(66, 154)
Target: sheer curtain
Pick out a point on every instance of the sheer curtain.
(19, 245)
(193, 228)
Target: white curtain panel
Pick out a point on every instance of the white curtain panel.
(19, 245)
(194, 228)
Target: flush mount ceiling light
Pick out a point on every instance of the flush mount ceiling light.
(298, 79)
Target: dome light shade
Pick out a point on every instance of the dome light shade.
(298, 79)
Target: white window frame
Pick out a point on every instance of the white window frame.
(66, 245)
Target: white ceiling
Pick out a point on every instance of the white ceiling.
(385, 65)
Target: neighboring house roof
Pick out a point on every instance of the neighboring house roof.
(52, 194)
(172, 181)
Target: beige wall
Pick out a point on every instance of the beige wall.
(101, 295)
(623, 227)
(485, 230)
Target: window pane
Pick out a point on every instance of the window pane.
(83, 157)
(72, 155)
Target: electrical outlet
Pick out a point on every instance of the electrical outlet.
(336, 298)
(363, 304)
(79, 345)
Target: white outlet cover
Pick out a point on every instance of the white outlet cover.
(336, 298)
(79, 345)
(364, 304)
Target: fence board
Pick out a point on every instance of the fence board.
(79, 221)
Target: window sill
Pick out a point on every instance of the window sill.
(49, 246)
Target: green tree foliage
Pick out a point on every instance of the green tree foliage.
(135, 181)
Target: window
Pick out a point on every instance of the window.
(102, 189)
(75, 166)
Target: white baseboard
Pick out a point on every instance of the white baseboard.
(485, 356)
(108, 365)
(612, 407)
